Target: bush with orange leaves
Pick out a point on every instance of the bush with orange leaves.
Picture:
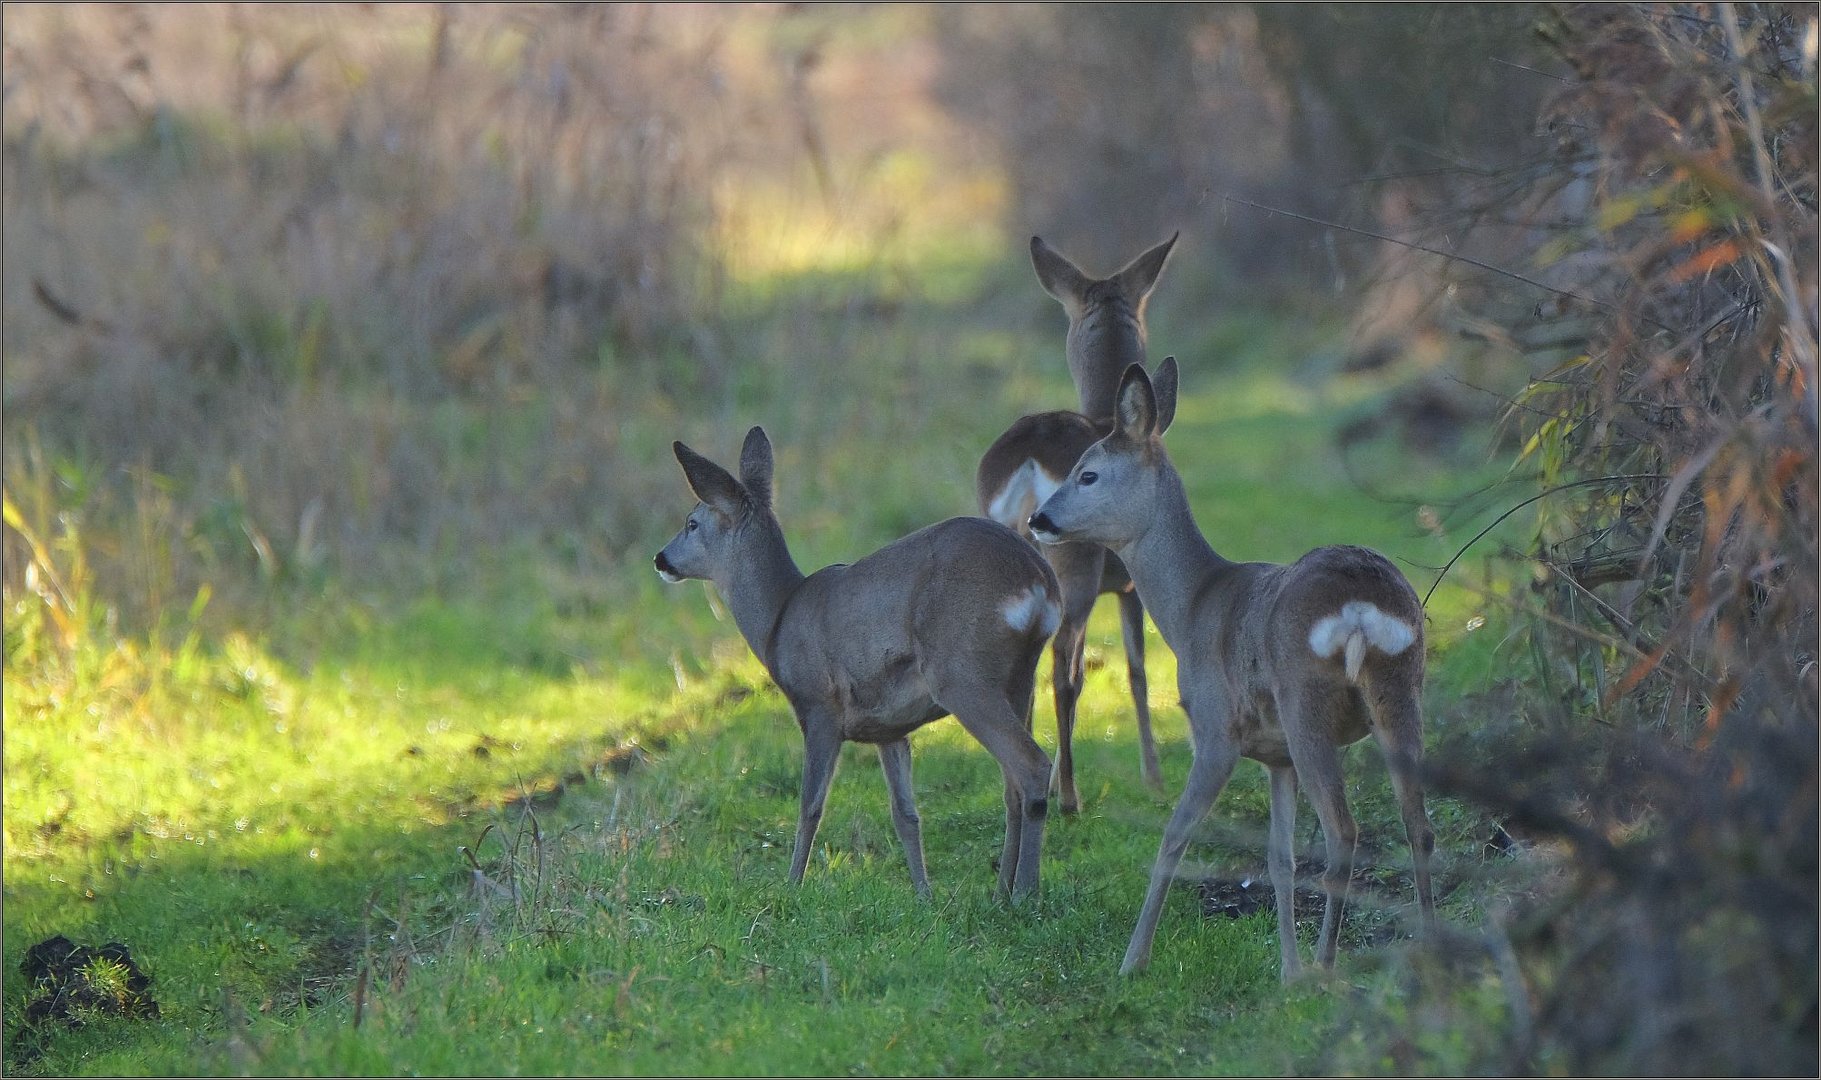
(1665, 740)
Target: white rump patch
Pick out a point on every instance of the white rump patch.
(1358, 625)
(1025, 490)
(1034, 607)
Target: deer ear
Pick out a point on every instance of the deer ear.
(1058, 276)
(711, 483)
(1140, 275)
(755, 467)
(1163, 384)
(1135, 410)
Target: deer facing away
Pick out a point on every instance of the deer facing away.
(1106, 333)
(1283, 664)
(948, 620)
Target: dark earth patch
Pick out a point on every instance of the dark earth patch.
(1370, 919)
(73, 984)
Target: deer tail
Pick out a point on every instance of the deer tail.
(1358, 626)
(1356, 654)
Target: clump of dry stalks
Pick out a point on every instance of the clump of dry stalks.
(1666, 739)
(300, 289)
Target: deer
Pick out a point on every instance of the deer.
(1020, 469)
(1281, 663)
(949, 620)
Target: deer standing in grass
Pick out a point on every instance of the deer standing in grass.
(1283, 664)
(950, 619)
(1021, 468)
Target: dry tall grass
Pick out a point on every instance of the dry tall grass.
(369, 291)
(254, 251)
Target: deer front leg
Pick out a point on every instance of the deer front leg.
(821, 751)
(1131, 625)
(1281, 854)
(895, 763)
(1215, 755)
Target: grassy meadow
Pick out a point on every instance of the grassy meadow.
(494, 835)
(338, 685)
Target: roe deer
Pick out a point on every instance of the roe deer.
(1283, 664)
(950, 619)
(1106, 333)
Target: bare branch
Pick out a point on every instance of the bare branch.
(1454, 256)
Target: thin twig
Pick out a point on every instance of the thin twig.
(1522, 67)
(1413, 245)
(1534, 498)
(1413, 174)
(1803, 337)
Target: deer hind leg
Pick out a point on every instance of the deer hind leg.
(1397, 718)
(1078, 571)
(1065, 684)
(1021, 683)
(1215, 756)
(1010, 861)
(1131, 625)
(895, 763)
(992, 718)
(1281, 856)
(1309, 716)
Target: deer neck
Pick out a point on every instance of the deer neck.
(760, 586)
(1172, 563)
(1107, 340)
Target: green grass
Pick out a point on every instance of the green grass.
(670, 942)
(543, 826)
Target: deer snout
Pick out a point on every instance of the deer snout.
(665, 570)
(1044, 529)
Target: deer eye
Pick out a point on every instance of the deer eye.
(690, 525)
(1088, 477)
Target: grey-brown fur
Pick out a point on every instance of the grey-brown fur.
(870, 651)
(1251, 682)
(1106, 334)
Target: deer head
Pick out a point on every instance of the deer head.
(1110, 495)
(1106, 318)
(710, 543)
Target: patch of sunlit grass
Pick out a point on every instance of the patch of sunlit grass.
(905, 211)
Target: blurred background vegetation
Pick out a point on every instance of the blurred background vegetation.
(318, 310)
(373, 295)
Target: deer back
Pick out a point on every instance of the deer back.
(872, 636)
(1024, 465)
(1340, 593)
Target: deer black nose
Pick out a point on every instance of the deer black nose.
(663, 564)
(1040, 523)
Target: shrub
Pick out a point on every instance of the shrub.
(1666, 738)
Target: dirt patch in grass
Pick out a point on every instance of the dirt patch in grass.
(1371, 916)
(73, 984)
